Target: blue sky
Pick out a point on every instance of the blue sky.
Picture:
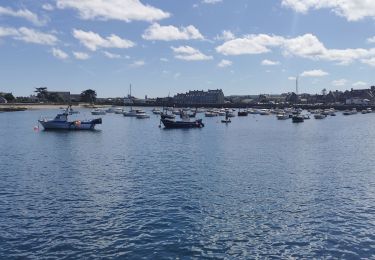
(169, 46)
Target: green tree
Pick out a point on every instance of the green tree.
(54, 97)
(42, 93)
(9, 97)
(89, 95)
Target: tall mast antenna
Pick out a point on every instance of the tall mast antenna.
(297, 85)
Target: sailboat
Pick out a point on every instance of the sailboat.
(132, 112)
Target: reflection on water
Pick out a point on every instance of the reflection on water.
(258, 187)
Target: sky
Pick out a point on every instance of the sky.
(164, 47)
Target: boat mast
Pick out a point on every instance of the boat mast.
(130, 97)
(297, 85)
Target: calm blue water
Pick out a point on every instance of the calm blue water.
(257, 188)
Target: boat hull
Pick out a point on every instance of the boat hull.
(182, 124)
(73, 125)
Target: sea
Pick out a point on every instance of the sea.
(257, 188)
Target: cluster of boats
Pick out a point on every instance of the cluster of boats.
(168, 116)
(138, 113)
(354, 111)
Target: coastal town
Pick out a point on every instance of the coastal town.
(199, 98)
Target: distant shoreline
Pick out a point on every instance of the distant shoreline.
(10, 107)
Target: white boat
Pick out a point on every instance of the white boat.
(156, 111)
(210, 114)
(132, 112)
(222, 112)
(142, 115)
(264, 112)
(98, 111)
(347, 112)
(282, 116)
(119, 110)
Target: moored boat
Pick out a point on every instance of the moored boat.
(61, 122)
(298, 119)
(282, 116)
(98, 111)
(142, 115)
(319, 116)
(170, 123)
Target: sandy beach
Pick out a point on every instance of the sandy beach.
(38, 106)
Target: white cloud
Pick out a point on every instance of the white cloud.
(164, 59)
(81, 55)
(189, 54)
(123, 10)
(352, 10)
(138, 63)
(8, 31)
(171, 33)
(24, 13)
(93, 41)
(305, 46)
(211, 1)
(269, 63)
(314, 73)
(28, 35)
(359, 84)
(292, 78)
(32, 36)
(111, 55)
(48, 7)
(370, 62)
(339, 82)
(225, 35)
(250, 44)
(59, 54)
(224, 63)
(371, 39)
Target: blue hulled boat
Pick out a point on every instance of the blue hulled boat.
(61, 122)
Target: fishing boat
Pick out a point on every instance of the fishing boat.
(183, 123)
(61, 122)
(170, 123)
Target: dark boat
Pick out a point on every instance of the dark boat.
(169, 123)
(298, 119)
(242, 113)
